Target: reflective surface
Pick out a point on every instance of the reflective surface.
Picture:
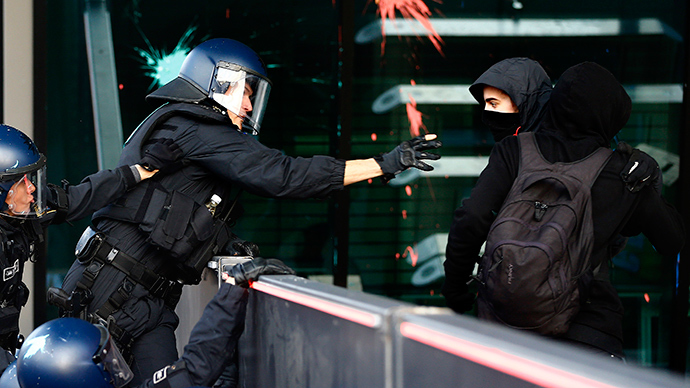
(412, 82)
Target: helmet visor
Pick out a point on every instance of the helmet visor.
(27, 195)
(110, 358)
(243, 93)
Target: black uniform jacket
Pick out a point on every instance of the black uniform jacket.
(213, 339)
(587, 108)
(217, 158)
(19, 236)
(94, 192)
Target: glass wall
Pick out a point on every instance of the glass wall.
(403, 78)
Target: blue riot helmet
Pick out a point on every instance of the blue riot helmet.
(9, 377)
(226, 72)
(71, 353)
(23, 187)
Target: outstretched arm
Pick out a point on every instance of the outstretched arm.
(408, 154)
(358, 170)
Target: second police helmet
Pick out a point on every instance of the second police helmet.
(23, 187)
(70, 353)
(227, 72)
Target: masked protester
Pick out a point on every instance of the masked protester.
(152, 241)
(28, 204)
(519, 94)
(73, 353)
(586, 110)
(515, 94)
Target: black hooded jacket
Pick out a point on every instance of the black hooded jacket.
(587, 108)
(527, 84)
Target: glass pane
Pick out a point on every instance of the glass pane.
(397, 231)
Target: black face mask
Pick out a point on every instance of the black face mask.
(501, 124)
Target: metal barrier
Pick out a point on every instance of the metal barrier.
(301, 333)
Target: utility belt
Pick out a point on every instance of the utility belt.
(97, 253)
(94, 252)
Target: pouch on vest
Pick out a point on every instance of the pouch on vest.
(176, 223)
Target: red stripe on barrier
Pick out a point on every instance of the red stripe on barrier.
(527, 370)
(349, 313)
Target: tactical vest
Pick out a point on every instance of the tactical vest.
(170, 208)
(16, 248)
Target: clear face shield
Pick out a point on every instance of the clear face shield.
(243, 93)
(110, 359)
(27, 190)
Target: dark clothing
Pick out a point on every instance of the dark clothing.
(213, 340)
(587, 108)
(527, 84)
(18, 237)
(217, 158)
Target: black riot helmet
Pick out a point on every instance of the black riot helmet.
(23, 187)
(226, 72)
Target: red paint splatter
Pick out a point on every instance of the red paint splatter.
(408, 190)
(409, 9)
(413, 255)
(414, 116)
(404, 214)
(374, 137)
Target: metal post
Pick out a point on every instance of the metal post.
(102, 74)
(346, 43)
(40, 138)
(679, 327)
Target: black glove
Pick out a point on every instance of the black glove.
(642, 170)
(461, 302)
(251, 270)
(238, 247)
(458, 297)
(246, 248)
(408, 154)
(163, 155)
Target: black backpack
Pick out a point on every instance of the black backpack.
(538, 249)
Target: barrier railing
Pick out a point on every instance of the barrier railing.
(301, 333)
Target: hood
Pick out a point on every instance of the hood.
(588, 103)
(525, 81)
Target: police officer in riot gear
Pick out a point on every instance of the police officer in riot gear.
(72, 353)
(28, 203)
(145, 246)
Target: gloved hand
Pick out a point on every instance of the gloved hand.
(408, 154)
(162, 155)
(246, 248)
(250, 271)
(458, 297)
(461, 302)
(238, 247)
(642, 170)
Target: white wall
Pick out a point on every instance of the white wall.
(18, 97)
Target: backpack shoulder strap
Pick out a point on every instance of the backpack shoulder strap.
(529, 153)
(585, 170)
(588, 169)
